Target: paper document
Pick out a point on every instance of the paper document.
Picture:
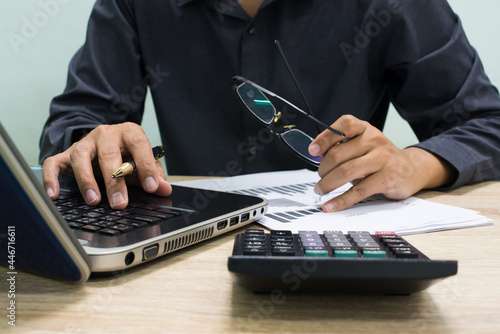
(294, 206)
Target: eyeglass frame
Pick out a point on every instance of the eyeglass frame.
(238, 81)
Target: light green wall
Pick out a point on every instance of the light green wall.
(34, 70)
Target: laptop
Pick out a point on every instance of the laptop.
(68, 240)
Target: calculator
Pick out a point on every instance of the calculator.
(354, 262)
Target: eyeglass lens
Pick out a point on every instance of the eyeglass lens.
(257, 103)
(260, 106)
(299, 142)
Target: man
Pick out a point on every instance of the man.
(352, 58)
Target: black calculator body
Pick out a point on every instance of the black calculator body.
(355, 262)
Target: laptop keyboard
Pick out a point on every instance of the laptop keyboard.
(103, 219)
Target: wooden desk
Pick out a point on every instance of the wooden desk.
(191, 291)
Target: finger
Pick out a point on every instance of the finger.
(349, 125)
(81, 155)
(164, 187)
(340, 154)
(50, 171)
(109, 153)
(351, 170)
(139, 147)
(355, 194)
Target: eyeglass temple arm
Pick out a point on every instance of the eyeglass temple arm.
(268, 92)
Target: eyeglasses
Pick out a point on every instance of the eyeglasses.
(258, 104)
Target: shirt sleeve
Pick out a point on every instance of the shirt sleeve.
(438, 84)
(106, 81)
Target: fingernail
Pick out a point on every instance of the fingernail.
(117, 199)
(50, 192)
(314, 149)
(150, 184)
(329, 207)
(91, 196)
(317, 191)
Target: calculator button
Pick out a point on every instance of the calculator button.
(340, 244)
(404, 254)
(277, 233)
(342, 247)
(316, 253)
(312, 244)
(360, 240)
(368, 244)
(255, 238)
(252, 231)
(385, 233)
(336, 239)
(280, 243)
(374, 253)
(314, 247)
(308, 233)
(370, 248)
(394, 241)
(317, 239)
(283, 251)
(345, 253)
(254, 251)
(283, 239)
(254, 243)
(395, 245)
(359, 234)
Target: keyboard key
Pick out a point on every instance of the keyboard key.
(160, 215)
(131, 222)
(110, 218)
(122, 227)
(92, 214)
(91, 228)
(146, 219)
(109, 231)
(103, 224)
(85, 220)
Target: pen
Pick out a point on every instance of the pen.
(128, 167)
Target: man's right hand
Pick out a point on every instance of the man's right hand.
(100, 153)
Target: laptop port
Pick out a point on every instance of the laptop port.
(245, 217)
(233, 221)
(129, 258)
(150, 252)
(221, 225)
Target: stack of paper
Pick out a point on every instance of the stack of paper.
(294, 206)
